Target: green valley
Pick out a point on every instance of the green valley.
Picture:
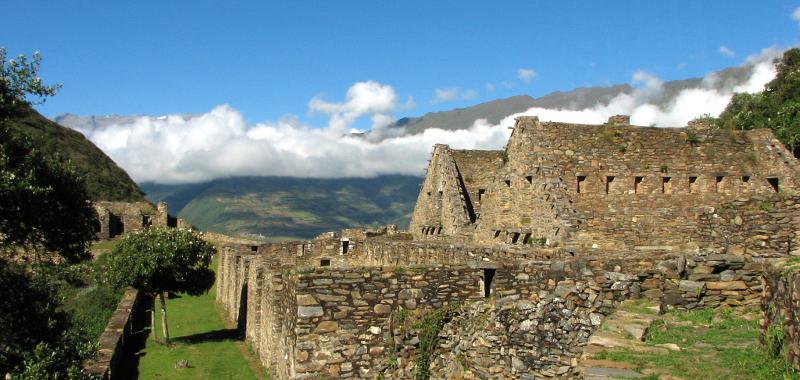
(279, 208)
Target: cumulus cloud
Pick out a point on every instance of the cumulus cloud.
(526, 75)
(219, 143)
(726, 51)
(796, 14)
(449, 94)
(369, 98)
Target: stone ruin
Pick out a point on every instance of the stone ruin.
(117, 218)
(536, 244)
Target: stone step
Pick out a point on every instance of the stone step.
(602, 373)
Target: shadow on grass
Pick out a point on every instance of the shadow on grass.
(210, 336)
(128, 367)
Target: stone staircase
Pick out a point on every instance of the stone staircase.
(623, 329)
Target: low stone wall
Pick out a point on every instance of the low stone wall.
(704, 280)
(115, 337)
(215, 237)
(345, 316)
(781, 313)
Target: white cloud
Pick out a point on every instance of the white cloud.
(646, 105)
(490, 87)
(526, 75)
(726, 51)
(363, 99)
(219, 143)
(796, 14)
(449, 94)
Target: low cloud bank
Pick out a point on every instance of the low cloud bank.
(219, 143)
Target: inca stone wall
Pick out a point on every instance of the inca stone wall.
(612, 186)
(537, 243)
(117, 218)
(780, 324)
(120, 328)
(443, 207)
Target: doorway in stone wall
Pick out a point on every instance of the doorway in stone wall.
(488, 276)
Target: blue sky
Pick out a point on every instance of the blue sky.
(269, 59)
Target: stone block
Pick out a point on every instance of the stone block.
(726, 285)
(309, 311)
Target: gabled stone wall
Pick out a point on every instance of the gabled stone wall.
(443, 207)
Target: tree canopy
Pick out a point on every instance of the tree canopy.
(777, 107)
(156, 260)
(43, 201)
(43, 207)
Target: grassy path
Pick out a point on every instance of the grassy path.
(201, 337)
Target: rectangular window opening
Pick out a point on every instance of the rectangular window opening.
(718, 183)
(745, 178)
(527, 239)
(253, 248)
(609, 179)
(480, 194)
(665, 185)
(637, 181)
(345, 246)
(515, 238)
(581, 180)
(774, 183)
(325, 262)
(488, 276)
(693, 185)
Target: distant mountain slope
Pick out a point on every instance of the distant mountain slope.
(104, 179)
(579, 98)
(279, 207)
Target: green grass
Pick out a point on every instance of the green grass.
(211, 354)
(714, 345)
(106, 244)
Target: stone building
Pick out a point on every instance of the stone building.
(547, 236)
(116, 218)
(611, 186)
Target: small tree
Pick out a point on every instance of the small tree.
(156, 260)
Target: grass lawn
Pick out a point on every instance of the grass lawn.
(715, 344)
(106, 244)
(200, 337)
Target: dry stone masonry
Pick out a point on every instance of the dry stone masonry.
(514, 257)
(117, 218)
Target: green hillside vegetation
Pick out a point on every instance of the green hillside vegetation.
(777, 107)
(104, 179)
(285, 208)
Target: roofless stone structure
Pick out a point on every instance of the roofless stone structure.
(554, 231)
